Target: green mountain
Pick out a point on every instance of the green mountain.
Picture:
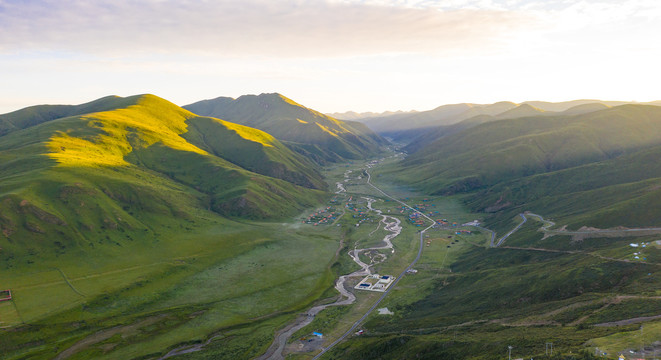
(520, 111)
(422, 138)
(134, 164)
(311, 133)
(137, 220)
(552, 164)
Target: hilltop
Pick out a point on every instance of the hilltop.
(307, 131)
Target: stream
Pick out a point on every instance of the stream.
(393, 226)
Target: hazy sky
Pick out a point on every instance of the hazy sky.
(335, 55)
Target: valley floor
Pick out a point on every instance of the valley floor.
(573, 322)
(270, 290)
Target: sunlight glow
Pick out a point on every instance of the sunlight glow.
(371, 55)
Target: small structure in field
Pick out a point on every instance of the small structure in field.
(5, 295)
(385, 311)
(375, 282)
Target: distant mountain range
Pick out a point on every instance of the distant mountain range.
(352, 115)
(404, 127)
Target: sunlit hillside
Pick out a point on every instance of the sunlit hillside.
(310, 132)
(110, 210)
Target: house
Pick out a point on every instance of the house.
(5, 295)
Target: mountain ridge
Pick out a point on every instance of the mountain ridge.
(292, 122)
(404, 128)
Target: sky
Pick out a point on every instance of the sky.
(330, 55)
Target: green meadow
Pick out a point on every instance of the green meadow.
(227, 276)
(130, 227)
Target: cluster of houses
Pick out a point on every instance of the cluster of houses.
(324, 216)
(445, 223)
(5, 295)
(416, 219)
(358, 212)
(637, 255)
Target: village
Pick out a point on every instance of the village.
(324, 216)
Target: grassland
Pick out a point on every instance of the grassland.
(223, 276)
(113, 241)
(469, 301)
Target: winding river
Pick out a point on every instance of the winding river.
(393, 226)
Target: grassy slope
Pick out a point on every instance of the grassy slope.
(105, 221)
(274, 159)
(620, 191)
(289, 121)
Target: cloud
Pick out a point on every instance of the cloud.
(291, 28)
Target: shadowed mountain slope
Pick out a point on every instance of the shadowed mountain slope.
(551, 161)
(312, 133)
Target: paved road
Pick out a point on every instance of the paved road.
(548, 224)
(500, 241)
